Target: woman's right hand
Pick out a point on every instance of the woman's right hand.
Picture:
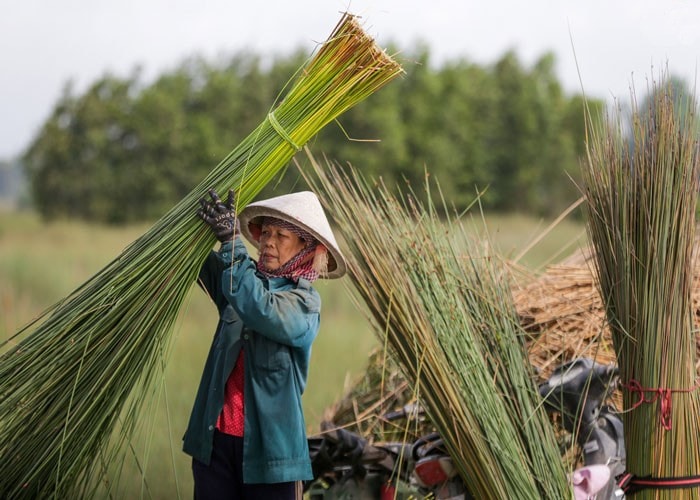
(219, 216)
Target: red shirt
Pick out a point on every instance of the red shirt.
(231, 417)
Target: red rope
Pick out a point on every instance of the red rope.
(660, 393)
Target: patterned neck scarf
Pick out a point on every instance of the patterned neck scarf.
(299, 266)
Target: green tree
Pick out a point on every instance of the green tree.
(125, 151)
(466, 127)
(74, 162)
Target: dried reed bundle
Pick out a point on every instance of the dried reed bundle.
(89, 362)
(442, 304)
(564, 314)
(381, 389)
(641, 183)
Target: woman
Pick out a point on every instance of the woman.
(246, 432)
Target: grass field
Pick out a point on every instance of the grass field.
(41, 263)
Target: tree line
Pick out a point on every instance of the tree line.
(124, 151)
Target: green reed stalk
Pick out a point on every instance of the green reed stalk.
(442, 303)
(641, 184)
(89, 362)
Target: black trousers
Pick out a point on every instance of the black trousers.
(222, 479)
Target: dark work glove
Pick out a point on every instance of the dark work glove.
(220, 216)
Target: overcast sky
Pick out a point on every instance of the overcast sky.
(44, 43)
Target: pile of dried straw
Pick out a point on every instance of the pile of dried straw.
(562, 310)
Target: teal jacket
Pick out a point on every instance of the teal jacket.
(275, 321)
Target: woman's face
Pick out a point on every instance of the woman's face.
(278, 246)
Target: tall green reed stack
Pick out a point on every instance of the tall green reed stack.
(440, 301)
(72, 382)
(641, 184)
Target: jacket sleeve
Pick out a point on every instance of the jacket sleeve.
(289, 317)
(209, 278)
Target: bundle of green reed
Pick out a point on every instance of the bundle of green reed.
(87, 364)
(641, 184)
(441, 302)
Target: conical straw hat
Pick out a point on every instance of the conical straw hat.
(304, 210)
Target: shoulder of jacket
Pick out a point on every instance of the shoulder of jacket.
(304, 284)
